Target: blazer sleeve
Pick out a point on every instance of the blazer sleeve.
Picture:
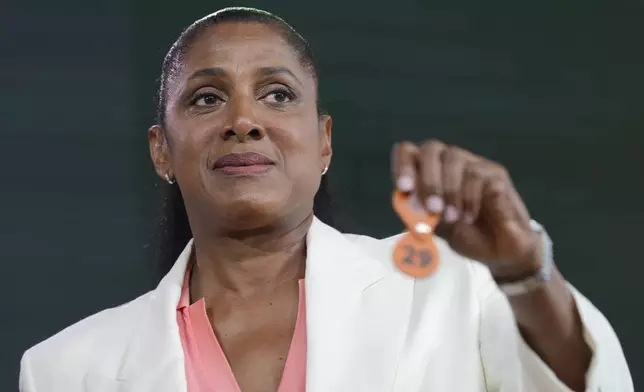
(510, 365)
(26, 383)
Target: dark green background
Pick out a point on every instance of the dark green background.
(552, 89)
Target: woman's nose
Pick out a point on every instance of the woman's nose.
(243, 124)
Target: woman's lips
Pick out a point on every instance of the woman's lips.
(243, 163)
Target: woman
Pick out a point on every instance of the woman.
(264, 296)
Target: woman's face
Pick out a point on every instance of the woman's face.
(243, 137)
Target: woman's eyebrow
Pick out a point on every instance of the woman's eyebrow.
(216, 71)
(266, 71)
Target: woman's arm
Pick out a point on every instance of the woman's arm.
(550, 324)
(552, 339)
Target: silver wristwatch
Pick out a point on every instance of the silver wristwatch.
(542, 276)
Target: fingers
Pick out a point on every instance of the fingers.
(431, 175)
(454, 163)
(404, 166)
(496, 199)
(472, 192)
(442, 172)
(449, 180)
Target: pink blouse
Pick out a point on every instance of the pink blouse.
(206, 366)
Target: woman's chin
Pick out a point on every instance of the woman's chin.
(255, 209)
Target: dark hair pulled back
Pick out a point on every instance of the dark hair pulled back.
(174, 231)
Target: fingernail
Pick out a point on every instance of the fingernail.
(451, 214)
(435, 204)
(405, 183)
(468, 218)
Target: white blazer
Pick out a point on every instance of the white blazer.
(370, 328)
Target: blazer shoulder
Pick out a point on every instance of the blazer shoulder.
(103, 335)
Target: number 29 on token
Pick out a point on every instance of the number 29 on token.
(416, 253)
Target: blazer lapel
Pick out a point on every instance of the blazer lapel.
(154, 358)
(358, 311)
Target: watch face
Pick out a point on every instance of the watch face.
(548, 261)
(542, 276)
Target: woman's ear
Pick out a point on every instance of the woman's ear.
(325, 126)
(159, 151)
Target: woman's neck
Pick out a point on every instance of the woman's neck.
(252, 264)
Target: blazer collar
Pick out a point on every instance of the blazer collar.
(358, 310)
(154, 358)
(357, 314)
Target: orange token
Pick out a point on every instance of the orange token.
(415, 257)
(416, 253)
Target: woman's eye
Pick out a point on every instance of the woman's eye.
(279, 96)
(206, 100)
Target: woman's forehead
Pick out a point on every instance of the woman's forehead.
(234, 46)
